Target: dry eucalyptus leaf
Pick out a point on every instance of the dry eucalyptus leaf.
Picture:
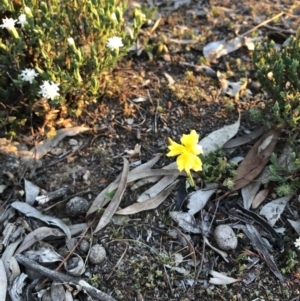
(17, 288)
(295, 225)
(32, 212)
(37, 235)
(260, 197)
(57, 291)
(114, 203)
(7, 258)
(245, 138)
(3, 281)
(219, 137)
(248, 193)
(157, 188)
(215, 50)
(222, 253)
(32, 191)
(255, 160)
(101, 200)
(198, 199)
(259, 245)
(221, 279)
(272, 211)
(148, 180)
(185, 221)
(203, 69)
(44, 254)
(149, 204)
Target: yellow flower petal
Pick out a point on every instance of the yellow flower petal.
(189, 162)
(197, 164)
(175, 149)
(190, 140)
(196, 149)
(182, 162)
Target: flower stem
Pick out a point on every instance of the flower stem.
(191, 180)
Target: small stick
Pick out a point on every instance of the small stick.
(262, 24)
(93, 292)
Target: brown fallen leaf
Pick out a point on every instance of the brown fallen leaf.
(113, 205)
(256, 159)
(149, 204)
(260, 197)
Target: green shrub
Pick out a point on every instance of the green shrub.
(71, 45)
(278, 72)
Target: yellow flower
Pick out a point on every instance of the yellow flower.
(187, 152)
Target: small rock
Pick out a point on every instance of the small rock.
(225, 238)
(97, 254)
(77, 206)
(84, 246)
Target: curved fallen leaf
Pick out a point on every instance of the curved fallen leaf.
(37, 235)
(50, 220)
(256, 159)
(114, 203)
(221, 279)
(219, 137)
(149, 204)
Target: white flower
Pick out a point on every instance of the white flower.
(297, 243)
(114, 43)
(28, 75)
(71, 41)
(49, 90)
(8, 23)
(22, 20)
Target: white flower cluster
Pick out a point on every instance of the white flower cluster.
(28, 75)
(297, 243)
(49, 90)
(114, 43)
(9, 23)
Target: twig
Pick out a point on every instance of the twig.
(119, 261)
(168, 280)
(262, 24)
(57, 276)
(76, 245)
